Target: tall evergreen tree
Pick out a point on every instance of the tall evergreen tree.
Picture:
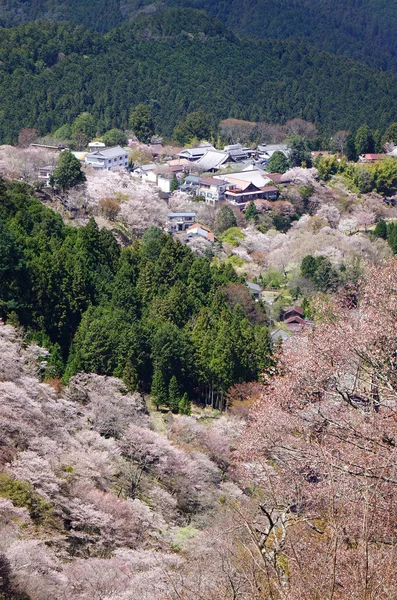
(174, 396)
(68, 172)
(159, 390)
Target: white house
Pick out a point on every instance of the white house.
(146, 172)
(212, 189)
(107, 158)
(180, 221)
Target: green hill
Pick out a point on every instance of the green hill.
(177, 62)
(358, 29)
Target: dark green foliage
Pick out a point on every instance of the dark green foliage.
(392, 236)
(114, 137)
(132, 313)
(185, 406)
(380, 230)
(68, 172)
(50, 73)
(320, 270)
(362, 30)
(278, 163)
(391, 134)
(196, 125)
(174, 183)
(251, 214)
(83, 129)
(174, 397)
(299, 154)
(225, 219)
(350, 147)
(159, 390)
(23, 494)
(141, 123)
(364, 141)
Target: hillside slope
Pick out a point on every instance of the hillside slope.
(359, 29)
(178, 62)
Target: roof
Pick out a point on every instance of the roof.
(196, 225)
(181, 214)
(201, 230)
(256, 177)
(212, 181)
(275, 177)
(297, 309)
(272, 148)
(280, 334)
(195, 152)
(193, 179)
(107, 152)
(269, 188)
(212, 159)
(232, 147)
(373, 156)
(149, 167)
(246, 190)
(295, 319)
(253, 286)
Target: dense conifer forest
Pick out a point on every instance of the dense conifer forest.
(359, 29)
(177, 62)
(149, 309)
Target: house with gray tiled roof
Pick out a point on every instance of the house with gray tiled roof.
(107, 158)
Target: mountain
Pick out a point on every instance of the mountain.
(179, 61)
(358, 29)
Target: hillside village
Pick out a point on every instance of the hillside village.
(184, 191)
(198, 300)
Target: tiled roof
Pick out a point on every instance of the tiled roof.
(108, 152)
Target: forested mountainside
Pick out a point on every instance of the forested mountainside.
(178, 62)
(359, 29)
(150, 313)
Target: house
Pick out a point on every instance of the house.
(44, 174)
(93, 146)
(237, 153)
(146, 172)
(294, 319)
(164, 183)
(293, 311)
(249, 191)
(201, 231)
(254, 289)
(270, 192)
(212, 161)
(266, 151)
(372, 158)
(191, 185)
(279, 335)
(180, 221)
(280, 178)
(212, 189)
(107, 158)
(248, 175)
(193, 154)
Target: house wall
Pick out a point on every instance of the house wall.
(108, 163)
(164, 184)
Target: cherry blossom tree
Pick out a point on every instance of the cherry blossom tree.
(320, 444)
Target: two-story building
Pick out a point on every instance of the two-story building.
(180, 221)
(212, 189)
(107, 158)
